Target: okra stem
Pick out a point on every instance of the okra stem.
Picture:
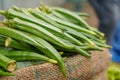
(7, 64)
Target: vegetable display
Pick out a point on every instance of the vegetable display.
(44, 34)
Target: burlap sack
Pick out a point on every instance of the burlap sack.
(100, 76)
(78, 68)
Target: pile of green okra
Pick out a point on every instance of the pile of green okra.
(45, 33)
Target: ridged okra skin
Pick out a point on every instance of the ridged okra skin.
(68, 14)
(7, 63)
(39, 31)
(48, 50)
(11, 43)
(25, 55)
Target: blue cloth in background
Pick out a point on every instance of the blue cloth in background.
(108, 15)
(108, 12)
(115, 51)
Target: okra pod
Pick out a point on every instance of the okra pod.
(21, 36)
(77, 49)
(102, 45)
(82, 14)
(80, 36)
(14, 14)
(100, 34)
(2, 40)
(7, 63)
(42, 16)
(82, 52)
(41, 32)
(41, 23)
(93, 38)
(9, 42)
(71, 25)
(18, 35)
(64, 35)
(4, 73)
(70, 15)
(51, 52)
(25, 56)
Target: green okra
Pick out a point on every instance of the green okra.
(11, 14)
(48, 50)
(94, 38)
(7, 63)
(102, 45)
(70, 15)
(2, 40)
(77, 49)
(42, 16)
(82, 14)
(80, 36)
(82, 52)
(14, 14)
(49, 30)
(9, 42)
(4, 73)
(71, 25)
(51, 52)
(41, 32)
(99, 34)
(25, 56)
(18, 35)
(64, 35)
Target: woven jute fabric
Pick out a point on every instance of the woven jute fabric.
(77, 66)
(100, 76)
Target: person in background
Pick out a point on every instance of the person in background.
(108, 15)
(115, 51)
(108, 12)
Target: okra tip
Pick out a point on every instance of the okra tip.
(30, 9)
(2, 12)
(61, 53)
(93, 33)
(52, 61)
(16, 8)
(62, 67)
(69, 46)
(88, 55)
(91, 44)
(102, 34)
(107, 46)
